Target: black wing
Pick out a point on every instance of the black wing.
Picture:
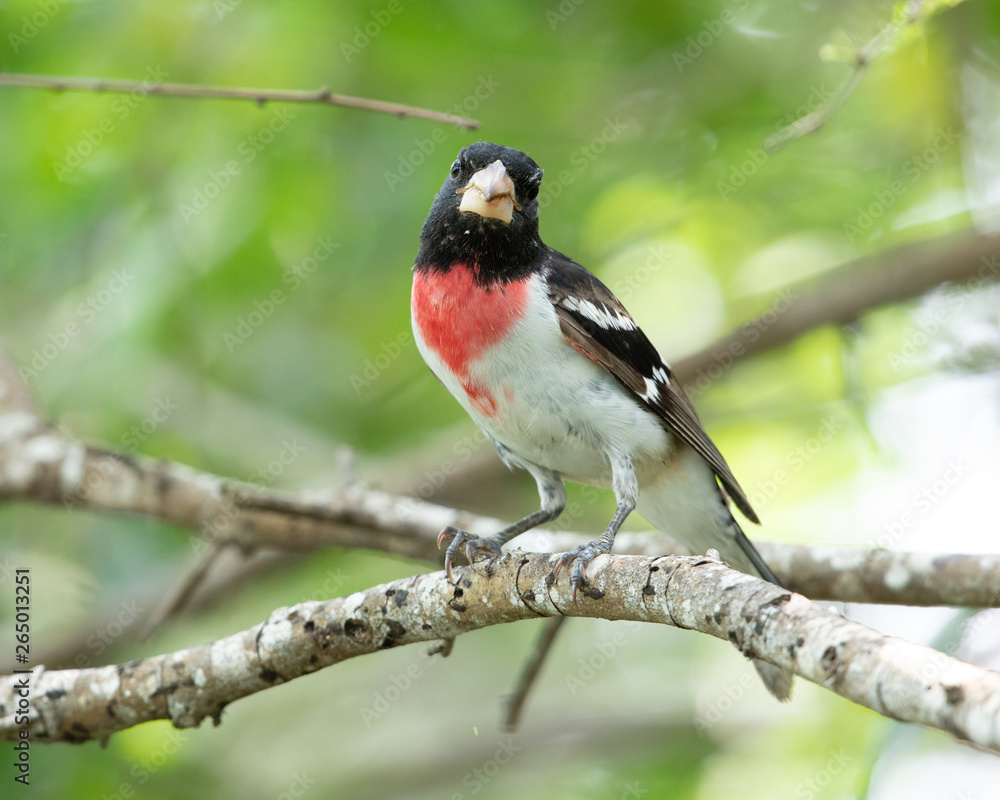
(595, 322)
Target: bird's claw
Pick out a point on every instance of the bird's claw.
(582, 555)
(471, 542)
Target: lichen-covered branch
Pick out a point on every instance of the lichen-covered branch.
(900, 680)
(860, 575)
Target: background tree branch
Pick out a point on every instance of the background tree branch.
(40, 464)
(847, 293)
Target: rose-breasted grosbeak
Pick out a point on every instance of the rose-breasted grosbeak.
(550, 365)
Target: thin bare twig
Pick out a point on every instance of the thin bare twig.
(862, 60)
(178, 600)
(514, 704)
(259, 96)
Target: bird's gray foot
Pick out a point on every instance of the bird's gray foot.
(582, 555)
(471, 542)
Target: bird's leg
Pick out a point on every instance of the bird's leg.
(553, 497)
(491, 543)
(586, 553)
(626, 488)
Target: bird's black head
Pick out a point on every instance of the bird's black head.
(486, 214)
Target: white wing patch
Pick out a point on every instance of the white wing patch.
(601, 314)
(660, 374)
(660, 378)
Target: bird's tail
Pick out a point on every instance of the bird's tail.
(752, 556)
(777, 680)
(672, 507)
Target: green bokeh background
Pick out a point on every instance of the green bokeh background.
(158, 292)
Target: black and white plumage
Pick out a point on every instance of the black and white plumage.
(552, 367)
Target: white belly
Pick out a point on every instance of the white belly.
(549, 405)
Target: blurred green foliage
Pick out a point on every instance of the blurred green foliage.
(215, 282)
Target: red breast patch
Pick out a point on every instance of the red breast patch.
(459, 319)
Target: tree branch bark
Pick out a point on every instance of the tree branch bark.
(900, 680)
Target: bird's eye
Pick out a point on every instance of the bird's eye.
(532, 184)
(456, 168)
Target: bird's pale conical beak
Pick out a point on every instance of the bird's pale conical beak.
(490, 193)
